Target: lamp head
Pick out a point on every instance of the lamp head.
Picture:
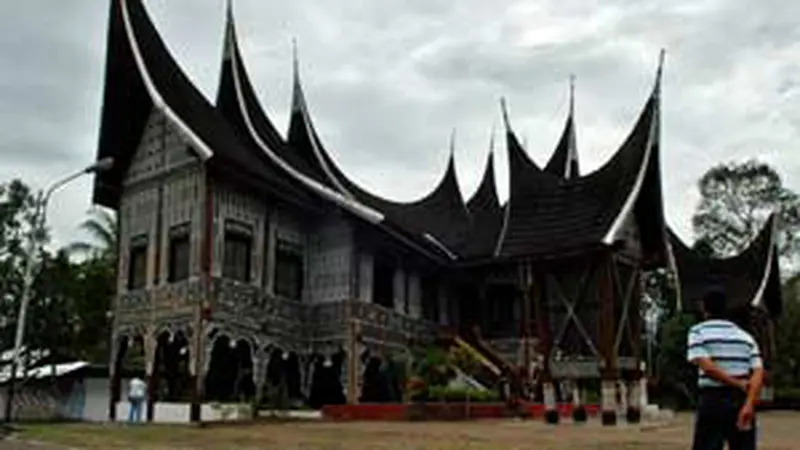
(101, 165)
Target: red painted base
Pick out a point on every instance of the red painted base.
(441, 411)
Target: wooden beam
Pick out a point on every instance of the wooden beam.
(541, 313)
(572, 306)
(607, 323)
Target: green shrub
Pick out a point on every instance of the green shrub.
(457, 395)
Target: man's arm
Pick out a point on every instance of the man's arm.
(712, 370)
(757, 377)
(754, 386)
(698, 354)
(746, 413)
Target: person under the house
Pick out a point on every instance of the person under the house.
(137, 390)
(730, 378)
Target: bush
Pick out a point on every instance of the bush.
(464, 360)
(457, 395)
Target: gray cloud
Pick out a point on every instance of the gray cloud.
(386, 82)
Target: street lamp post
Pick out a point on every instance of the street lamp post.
(38, 228)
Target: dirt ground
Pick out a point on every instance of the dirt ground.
(779, 430)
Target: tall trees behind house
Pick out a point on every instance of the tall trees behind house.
(735, 200)
(101, 227)
(68, 313)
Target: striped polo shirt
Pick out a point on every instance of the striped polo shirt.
(730, 347)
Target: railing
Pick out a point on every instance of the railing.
(182, 293)
(377, 323)
(251, 307)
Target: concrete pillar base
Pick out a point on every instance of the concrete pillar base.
(551, 415)
(609, 402)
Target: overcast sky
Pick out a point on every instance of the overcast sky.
(387, 80)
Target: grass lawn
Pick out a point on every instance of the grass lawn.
(779, 430)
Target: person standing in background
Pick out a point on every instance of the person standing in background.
(730, 377)
(137, 390)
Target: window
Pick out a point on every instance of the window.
(383, 283)
(237, 252)
(137, 265)
(178, 268)
(288, 270)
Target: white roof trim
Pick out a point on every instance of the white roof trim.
(619, 222)
(502, 236)
(758, 299)
(299, 104)
(365, 212)
(676, 273)
(430, 238)
(202, 149)
(300, 98)
(572, 153)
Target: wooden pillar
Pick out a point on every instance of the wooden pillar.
(634, 400)
(607, 333)
(150, 346)
(541, 307)
(114, 369)
(270, 237)
(261, 359)
(353, 330)
(526, 334)
(197, 367)
(197, 363)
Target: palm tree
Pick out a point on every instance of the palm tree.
(101, 226)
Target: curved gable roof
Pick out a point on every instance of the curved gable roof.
(141, 75)
(549, 216)
(750, 278)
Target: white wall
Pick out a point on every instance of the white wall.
(95, 408)
(165, 412)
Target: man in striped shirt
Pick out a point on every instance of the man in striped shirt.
(730, 378)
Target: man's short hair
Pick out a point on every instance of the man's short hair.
(714, 303)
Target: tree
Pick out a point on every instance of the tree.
(17, 206)
(786, 369)
(677, 377)
(101, 226)
(97, 278)
(69, 302)
(736, 199)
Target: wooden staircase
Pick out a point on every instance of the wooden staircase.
(493, 370)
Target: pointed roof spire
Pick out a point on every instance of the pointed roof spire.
(504, 110)
(452, 143)
(295, 59)
(564, 161)
(492, 138)
(571, 95)
(486, 214)
(659, 72)
(229, 46)
(298, 98)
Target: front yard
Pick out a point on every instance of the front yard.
(779, 430)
